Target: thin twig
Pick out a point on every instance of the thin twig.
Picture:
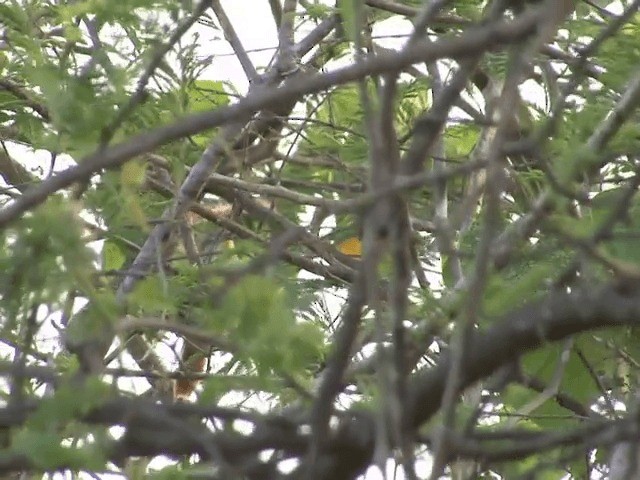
(502, 32)
(156, 60)
(233, 39)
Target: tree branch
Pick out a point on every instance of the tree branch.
(469, 43)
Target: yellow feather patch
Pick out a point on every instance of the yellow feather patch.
(352, 246)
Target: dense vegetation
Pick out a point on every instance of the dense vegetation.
(417, 252)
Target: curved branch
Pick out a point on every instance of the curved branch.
(349, 449)
(557, 316)
(554, 318)
(495, 35)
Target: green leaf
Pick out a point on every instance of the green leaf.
(533, 464)
(112, 256)
(577, 381)
(504, 294)
(46, 240)
(216, 386)
(203, 95)
(132, 174)
(317, 11)
(624, 242)
(470, 9)
(174, 472)
(68, 403)
(46, 451)
(347, 10)
(153, 295)
(459, 140)
(95, 321)
(258, 311)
